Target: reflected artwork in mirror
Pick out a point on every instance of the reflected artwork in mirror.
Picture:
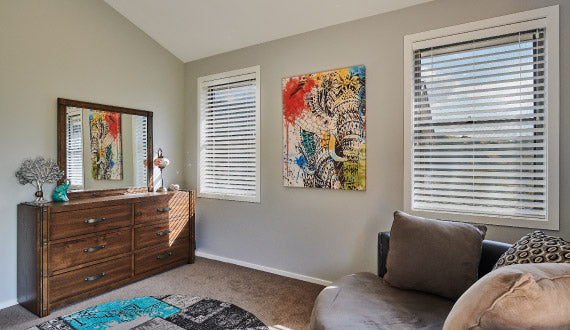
(104, 148)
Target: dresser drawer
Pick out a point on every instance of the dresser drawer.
(89, 278)
(73, 223)
(76, 252)
(162, 207)
(162, 234)
(155, 258)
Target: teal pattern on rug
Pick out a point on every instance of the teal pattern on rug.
(116, 312)
(159, 312)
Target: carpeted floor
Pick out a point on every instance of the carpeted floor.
(276, 300)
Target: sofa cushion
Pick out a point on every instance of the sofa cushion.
(525, 296)
(536, 247)
(366, 301)
(433, 256)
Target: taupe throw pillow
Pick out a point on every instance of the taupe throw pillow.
(522, 296)
(536, 247)
(434, 256)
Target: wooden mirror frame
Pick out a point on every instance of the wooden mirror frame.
(62, 105)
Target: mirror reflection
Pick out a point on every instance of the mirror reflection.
(105, 149)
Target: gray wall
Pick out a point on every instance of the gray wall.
(76, 49)
(327, 234)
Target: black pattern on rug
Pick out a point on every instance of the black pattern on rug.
(168, 312)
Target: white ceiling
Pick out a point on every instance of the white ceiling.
(193, 29)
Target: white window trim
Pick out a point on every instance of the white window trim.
(250, 70)
(475, 30)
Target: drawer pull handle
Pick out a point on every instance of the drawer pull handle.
(164, 256)
(94, 220)
(93, 249)
(93, 278)
(162, 233)
(164, 209)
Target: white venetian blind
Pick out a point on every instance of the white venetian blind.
(228, 137)
(479, 121)
(140, 131)
(74, 145)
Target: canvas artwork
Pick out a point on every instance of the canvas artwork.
(106, 153)
(324, 130)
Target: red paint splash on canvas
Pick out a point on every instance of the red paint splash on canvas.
(294, 103)
(294, 98)
(114, 122)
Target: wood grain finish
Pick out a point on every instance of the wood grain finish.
(58, 250)
(89, 278)
(73, 223)
(156, 258)
(163, 234)
(86, 250)
(165, 207)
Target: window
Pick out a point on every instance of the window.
(229, 135)
(482, 114)
(74, 145)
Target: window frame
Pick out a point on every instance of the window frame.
(547, 17)
(253, 70)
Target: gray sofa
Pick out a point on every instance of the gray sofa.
(366, 301)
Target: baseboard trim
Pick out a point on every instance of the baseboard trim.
(263, 268)
(8, 303)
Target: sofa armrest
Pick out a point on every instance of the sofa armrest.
(383, 246)
(491, 251)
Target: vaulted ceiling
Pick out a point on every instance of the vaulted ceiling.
(193, 29)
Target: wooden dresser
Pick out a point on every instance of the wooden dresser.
(69, 251)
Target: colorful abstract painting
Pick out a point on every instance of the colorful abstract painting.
(106, 154)
(324, 130)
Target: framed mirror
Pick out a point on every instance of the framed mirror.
(104, 149)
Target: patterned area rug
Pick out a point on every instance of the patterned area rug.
(172, 312)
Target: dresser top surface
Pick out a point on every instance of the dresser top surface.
(105, 200)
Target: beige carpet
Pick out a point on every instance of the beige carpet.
(278, 301)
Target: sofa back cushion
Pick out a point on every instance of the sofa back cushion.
(490, 253)
(522, 296)
(433, 256)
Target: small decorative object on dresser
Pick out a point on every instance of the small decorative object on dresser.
(60, 193)
(38, 172)
(87, 246)
(161, 162)
(173, 187)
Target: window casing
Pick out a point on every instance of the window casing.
(481, 110)
(229, 135)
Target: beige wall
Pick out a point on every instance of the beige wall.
(75, 49)
(327, 234)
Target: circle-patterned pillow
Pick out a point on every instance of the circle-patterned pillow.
(536, 247)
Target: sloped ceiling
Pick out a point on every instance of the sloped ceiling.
(193, 29)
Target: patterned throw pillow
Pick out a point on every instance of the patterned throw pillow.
(536, 247)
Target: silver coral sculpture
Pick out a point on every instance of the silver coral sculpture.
(37, 172)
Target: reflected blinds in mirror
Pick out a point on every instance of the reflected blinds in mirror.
(74, 145)
(140, 145)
